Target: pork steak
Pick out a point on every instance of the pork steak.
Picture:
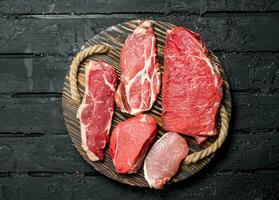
(192, 89)
(163, 160)
(141, 78)
(97, 108)
(129, 142)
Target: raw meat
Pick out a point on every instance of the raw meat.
(200, 139)
(97, 107)
(141, 78)
(192, 89)
(129, 142)
(163, 160)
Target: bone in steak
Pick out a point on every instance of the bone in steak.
(163, 160)
(129, 142)
(192, 89)
(97, 108)
(141, 78)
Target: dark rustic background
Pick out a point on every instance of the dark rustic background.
(37, 42)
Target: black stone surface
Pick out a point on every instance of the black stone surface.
(37, 42)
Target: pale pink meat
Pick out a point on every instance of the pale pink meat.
(192, 88)
(164, 159)
(129, 142)
(97, 108)
(140, 78)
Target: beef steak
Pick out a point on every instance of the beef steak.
(192, 89)
(97, 108)
(129, 142)
(141, 78)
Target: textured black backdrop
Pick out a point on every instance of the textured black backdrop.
(37, 42)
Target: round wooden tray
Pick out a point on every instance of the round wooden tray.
(114, 37)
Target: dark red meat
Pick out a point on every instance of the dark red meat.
(129, 142)
(141, 78)
(97, 107)
(192, 89)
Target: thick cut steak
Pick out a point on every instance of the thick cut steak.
(141, 78)
(163, 160)
(192, 89)
(129, 142)
(97, 108)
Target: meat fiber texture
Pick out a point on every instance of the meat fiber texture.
(97, 108)
(164, 159)
(192, 89)
(129, 142)
(141, 78)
